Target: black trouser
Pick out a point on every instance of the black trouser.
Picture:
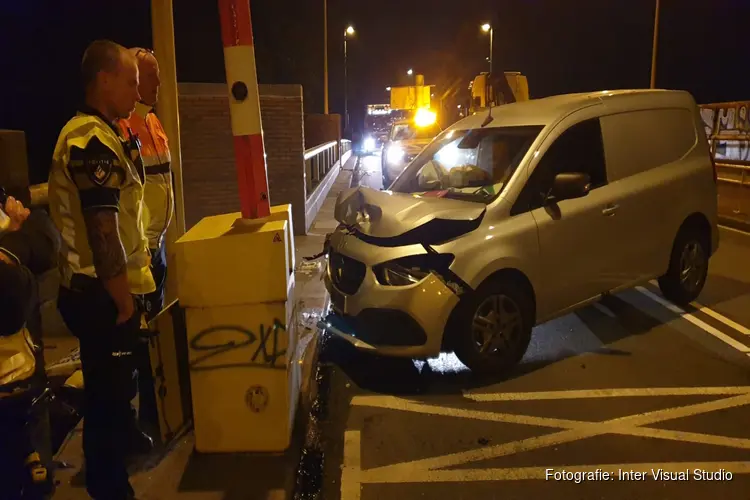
(153, 302)
(108, 364)
(15, 445)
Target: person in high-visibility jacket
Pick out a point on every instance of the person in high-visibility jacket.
(29, 247)
(158, 192)
(96, 202)
(158, 211)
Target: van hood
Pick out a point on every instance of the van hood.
(396, 219)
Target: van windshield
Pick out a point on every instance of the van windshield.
(471, 165)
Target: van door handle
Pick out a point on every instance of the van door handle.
(610, 210)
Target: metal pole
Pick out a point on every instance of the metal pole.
(325, 56)
(162, 31)
(655, 46)
(491, 35)
(346, 94)
(244, 107)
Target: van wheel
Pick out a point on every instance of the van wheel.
(688, 267)
(492, 327)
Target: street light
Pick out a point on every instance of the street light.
(348, 32)
(487, 28)
(387, 89)
(410, 72)
(325, 57)
(656, 42)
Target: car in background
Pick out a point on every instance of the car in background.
(406, 140)
(373, 142)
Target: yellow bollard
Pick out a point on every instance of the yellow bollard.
(235, 282)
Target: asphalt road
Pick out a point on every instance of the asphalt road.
(620, 388)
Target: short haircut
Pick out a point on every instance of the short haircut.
(100, 55)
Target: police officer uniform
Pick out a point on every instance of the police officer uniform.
(95, 168)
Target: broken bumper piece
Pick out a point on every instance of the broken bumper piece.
(392, 321)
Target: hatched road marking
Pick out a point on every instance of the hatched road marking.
(433, 469)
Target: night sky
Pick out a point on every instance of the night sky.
(561, 45)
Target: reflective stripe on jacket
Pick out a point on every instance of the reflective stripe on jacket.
(82, 177)
(158, 193)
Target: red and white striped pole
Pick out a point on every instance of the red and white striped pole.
(244, 107)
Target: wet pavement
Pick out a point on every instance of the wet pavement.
(604, 400)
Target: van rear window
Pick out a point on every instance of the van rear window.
(638, 141)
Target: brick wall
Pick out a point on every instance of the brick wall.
(208, 163)
(320, 129)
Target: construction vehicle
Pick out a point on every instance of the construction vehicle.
(489, 90)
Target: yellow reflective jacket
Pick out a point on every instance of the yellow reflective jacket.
(17, 362)
(93, 165)
(158, 193)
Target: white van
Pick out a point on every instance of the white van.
(520, 214)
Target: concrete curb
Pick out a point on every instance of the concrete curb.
(734, 224)
(309, 480)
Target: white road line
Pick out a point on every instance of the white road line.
(733, 230)
(628, 425)
(540, 472)
(351, 485)
(604, 310)
(696, 321)
(606, 393)
(394, 403)
(720, 317)
(717, 316)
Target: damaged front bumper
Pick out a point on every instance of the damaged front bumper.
(406, 321)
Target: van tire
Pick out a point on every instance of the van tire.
(518, 306)
(689, 258)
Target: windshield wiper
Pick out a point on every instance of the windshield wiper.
(455, 193)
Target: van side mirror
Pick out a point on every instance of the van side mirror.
(568, 186)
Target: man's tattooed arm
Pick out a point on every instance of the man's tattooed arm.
(109, 258)
(104, 239)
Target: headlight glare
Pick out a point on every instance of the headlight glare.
(394, 154)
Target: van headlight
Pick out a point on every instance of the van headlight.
(394, 154)
(411, 270)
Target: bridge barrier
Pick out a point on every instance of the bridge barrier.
(727, 127)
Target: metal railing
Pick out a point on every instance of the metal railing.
(321, 159)
(733, 173)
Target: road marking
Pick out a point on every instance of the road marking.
(351, 486)
(540, 472)
(717, 316)
(720, 317)
(425, 470)
(604, 310)
(606, 393)
(696, 321)
(734, 230)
